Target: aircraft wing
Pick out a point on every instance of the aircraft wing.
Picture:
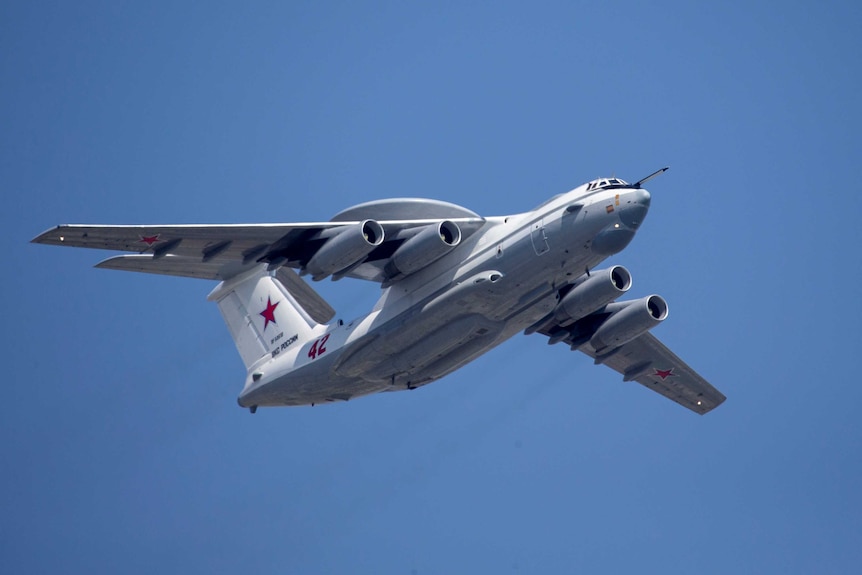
(201, 251)
(219, 252)
(649, 362)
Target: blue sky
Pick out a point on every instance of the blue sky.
(122, 447)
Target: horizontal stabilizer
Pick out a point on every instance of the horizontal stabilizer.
(171, 265)
(311, 301)
(316, 307)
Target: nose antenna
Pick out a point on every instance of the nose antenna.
(637, 184)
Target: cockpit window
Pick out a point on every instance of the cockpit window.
(606, 184)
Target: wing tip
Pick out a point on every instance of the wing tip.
(716, 402)
(51, 236)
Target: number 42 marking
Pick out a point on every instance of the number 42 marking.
(318, 347)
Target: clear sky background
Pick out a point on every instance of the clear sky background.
(121, 445)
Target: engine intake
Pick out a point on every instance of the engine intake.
(629, 320)
(345, 249)
(592, 292)
(424, 248)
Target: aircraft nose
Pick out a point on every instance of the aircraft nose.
(635, 208)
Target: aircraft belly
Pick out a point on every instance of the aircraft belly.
(311, 383)
(468, 350)
(407, 359)
(432, 347)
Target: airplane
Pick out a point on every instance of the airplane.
(454, 286)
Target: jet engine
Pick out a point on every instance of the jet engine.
(424, 248)
(345, 249)
(592, 292)
(628, 320)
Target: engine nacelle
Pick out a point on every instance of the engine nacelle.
(345, 249)
(426, 247)
(591, 293)
(632, 319)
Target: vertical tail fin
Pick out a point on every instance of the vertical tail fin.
(262, 314)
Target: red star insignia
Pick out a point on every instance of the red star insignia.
(269, 313)
(664, 373)
(149, 240)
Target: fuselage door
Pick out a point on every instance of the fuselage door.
(540, 239)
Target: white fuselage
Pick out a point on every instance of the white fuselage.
(499, 281)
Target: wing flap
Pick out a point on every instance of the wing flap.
(649, 362)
